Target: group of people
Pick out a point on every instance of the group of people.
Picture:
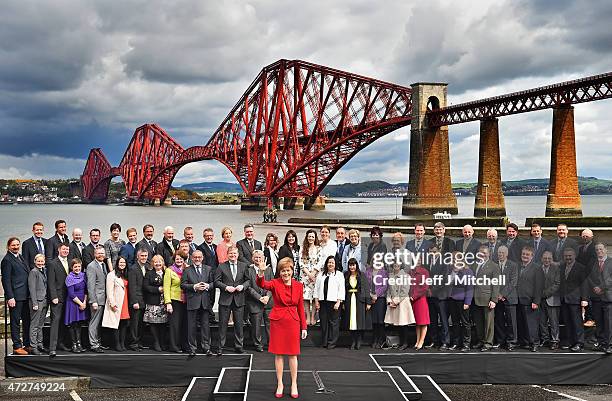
(170, 287)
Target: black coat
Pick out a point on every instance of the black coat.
(56, 280)
(166, 252)
(568, 243)
(530, 284)
(152, 249)
(586, 255)
(210, 258)
(52, 246)
(75, 252)
(515, 249)
(15, 277)
(135, 287)
(88, 255)
(29, 249)
(575, 287)
(150, 288)
(448, 245)
(190, 277)
(362, 296)
(245, 253)
(223, 278)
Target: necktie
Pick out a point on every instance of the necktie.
(212, 250)
(568, 269)
(234, 272)
(251, 245)
(601, 263)
(417, 245)
(503, 265)
(439, 243)
(81, 245)
(192, 246)
(560, 245)
(537, 243)
(341, 248)
(40, 248)
(65, 264)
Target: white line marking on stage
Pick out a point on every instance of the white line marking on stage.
(570, 397)
(408, 379)
(193, 380)
(75, 396)
(435, 385)
(220, 379)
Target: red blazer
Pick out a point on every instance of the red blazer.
(418, 275)
(285, 307)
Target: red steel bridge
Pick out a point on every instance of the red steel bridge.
(298, 123)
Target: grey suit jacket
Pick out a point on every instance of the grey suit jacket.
(485, 293)
(190, 277)
(552, 280)
(255, 292)
(96, 284)
(37, 284)
(245, 253)
(223, 278)
(602, 279)
(509, 290)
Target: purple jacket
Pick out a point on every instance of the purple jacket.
(461, 291)
(381, 288)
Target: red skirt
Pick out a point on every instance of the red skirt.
(421, 311)
(285, 336)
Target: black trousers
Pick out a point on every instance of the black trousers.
(58, 329)
(505, 323)
(438, 309)
(194, 316)
(529, 320)
(238, 313)
(177, 325)
(21, 312)
(462, 325)
(572, 317)
(330, 323)
(136, 325)
(599, 310)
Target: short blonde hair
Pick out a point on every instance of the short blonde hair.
(398, 235)
(354, 231)
(225, 229)
(160, 258)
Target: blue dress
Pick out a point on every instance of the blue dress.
(73, 313)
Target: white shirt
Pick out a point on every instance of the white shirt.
(328, 249)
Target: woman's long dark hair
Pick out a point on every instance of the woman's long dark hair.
(118, 272)
(286, 243)
(306, 245)
(325, 271)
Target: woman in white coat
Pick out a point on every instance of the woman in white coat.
(116, 313)
(328, 295)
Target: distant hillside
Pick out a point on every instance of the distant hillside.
(213, 187)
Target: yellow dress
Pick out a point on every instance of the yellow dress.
(353, 318)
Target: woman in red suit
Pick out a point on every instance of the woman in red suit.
(418, 298)
(287, 320)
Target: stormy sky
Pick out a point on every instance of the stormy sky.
(81, 74)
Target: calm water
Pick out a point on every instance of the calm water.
(17, 219)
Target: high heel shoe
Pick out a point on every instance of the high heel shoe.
(278, 395)
(296, 395)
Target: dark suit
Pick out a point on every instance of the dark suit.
(341, 245)
(136, 296)
(550, 305)
(76, 252)
(530, 286)
(573, 290)
(198, 304)
(493, 247)
(166, 251)
(231, 302)
(150, 246)
(600, 302)
(437, 301)
(258, 312)
(448, 245)
(515, 249)
(558, 250)
(245, 252)
(210, 259)
(471, 247)
(15, 283)
(88, 255)
(483, 316)
(505, 310)
(128, 251)
(29, 249)
(53, 245)
(57, 289)
(543, 245)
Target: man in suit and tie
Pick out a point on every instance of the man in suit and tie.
(468, 244)
(34, 245)
(562, 242)
(550, 303)
(259, 302)
(492, 243)
(148, 242)
(539, 244)
(419, 245)
(128, 250)
(443, 243)
(167, 246)
(209, 249)
(530, 286)
(57, 270)
(188, 236)
(96, 296)
(247, 245)
(574, 296)
(232, 279)
(15, 283)
(197, 282)
(485, 298)
(88, 252)
(58, 238)
(76, 246)
(600, 288)
(506, 333)
(136, 273)
(514, 243)
(341, 243)
(586, 256)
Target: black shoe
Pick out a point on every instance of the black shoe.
(331, 346)
(192, 354)
(599, 348)
(35, 351)
(219, 353)
(259, 349)
(534, 348)
(496, 346)
(403, 347)
(134, 347)
(75, 349)
(104, 347)
(62, 347)
(510, 347)
(478, 345)
(208, 352)
(157, 348)
(428, 346)
(97, 350)
(576, 348)
(609, 350)
(52, 354)
(565, 347)
(44, 350)
(485, 348)
(453, 347)
(465, 348)
(239, 350)
(443, 347)
(554, 346)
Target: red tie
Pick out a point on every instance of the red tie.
(601, 263)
